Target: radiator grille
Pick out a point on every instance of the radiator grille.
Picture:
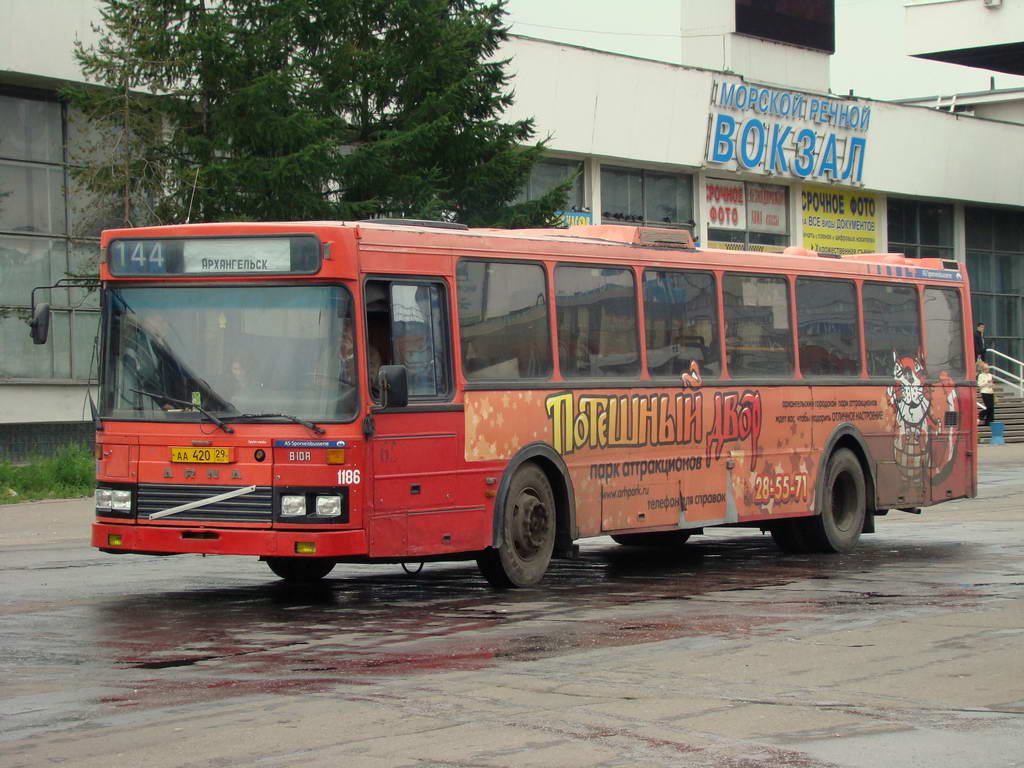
(255, 507)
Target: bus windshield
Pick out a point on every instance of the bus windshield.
(173, 352)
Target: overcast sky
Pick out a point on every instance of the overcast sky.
(870, 53)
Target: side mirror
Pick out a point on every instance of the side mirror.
(40, 324)
(394, 386)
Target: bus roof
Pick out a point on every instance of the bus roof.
(653, 239)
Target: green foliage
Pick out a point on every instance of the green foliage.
(306, 109)
(69, 473)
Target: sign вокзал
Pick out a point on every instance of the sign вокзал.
(786, 133)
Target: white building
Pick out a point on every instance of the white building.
(745, 145)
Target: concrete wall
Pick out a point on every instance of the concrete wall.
(27, 403)
(612, 107)
(37, 39)
(950, 25)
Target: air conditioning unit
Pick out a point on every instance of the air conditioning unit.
(992, 3)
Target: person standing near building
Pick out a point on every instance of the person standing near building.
(987, 392)
(979, 342)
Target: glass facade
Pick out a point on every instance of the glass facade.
(921, 229)
(38, 245)
(995, 265)
(547, 174)
(747, 215)
(648, 198)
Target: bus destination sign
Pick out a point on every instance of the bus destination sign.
(215, 256)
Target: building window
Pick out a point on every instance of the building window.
(547, 174)
(646, 198)
(746, 215)
(37, 247)
(921, 229)
(995, 264)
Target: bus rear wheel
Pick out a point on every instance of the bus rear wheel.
(528, 533)
(300, 569)
(842, 506)
(653, 539)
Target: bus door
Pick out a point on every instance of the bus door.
(953, 415)
(415, 451)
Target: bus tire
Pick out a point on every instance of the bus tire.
(841, 507)
(652, 539)
(300, 569)
(528, 532)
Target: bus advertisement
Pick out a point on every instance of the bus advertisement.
(401, 391)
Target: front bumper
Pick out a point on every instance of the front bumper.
(169, 540)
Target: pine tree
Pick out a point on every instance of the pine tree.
(307, 109)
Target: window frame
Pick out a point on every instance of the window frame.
(858, 325)
(642, 220)
(915, 287)
(788, 279)
(64, 361)
(470, 383)
(716, 316)
(637, 326)
(933, 371)
(446, 319)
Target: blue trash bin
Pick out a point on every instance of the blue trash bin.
(997, 433)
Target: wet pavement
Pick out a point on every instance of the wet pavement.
(722, 652)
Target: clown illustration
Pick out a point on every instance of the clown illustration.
(925, 445)
(907, 396)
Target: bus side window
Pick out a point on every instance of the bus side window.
(597, 322)
(827, 328)
(681, 315)
(944, 330)
(758, 341)
(503, 320)
(892, 325)
(407, 325)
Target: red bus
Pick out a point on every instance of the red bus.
(387, 391)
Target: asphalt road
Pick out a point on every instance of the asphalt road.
(722, 653)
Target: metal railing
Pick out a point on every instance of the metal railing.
(1007, 375)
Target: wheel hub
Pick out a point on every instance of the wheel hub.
(530, 524)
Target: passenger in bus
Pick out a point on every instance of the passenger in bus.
(242, 384)
(348, 358)
(240, 378)
(373, 366)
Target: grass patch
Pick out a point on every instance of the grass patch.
(69, 473)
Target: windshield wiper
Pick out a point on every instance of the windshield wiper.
(188, 403)
(307, 424)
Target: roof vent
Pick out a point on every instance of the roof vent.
(796, 250)
(671, 238)
(416, 223)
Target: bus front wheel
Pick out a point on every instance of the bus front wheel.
(300, 569)
(528, 533)
(842, 506)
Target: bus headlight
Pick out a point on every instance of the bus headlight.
(293, 506)
(328, 506)
(121, 501)
(102, 498)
